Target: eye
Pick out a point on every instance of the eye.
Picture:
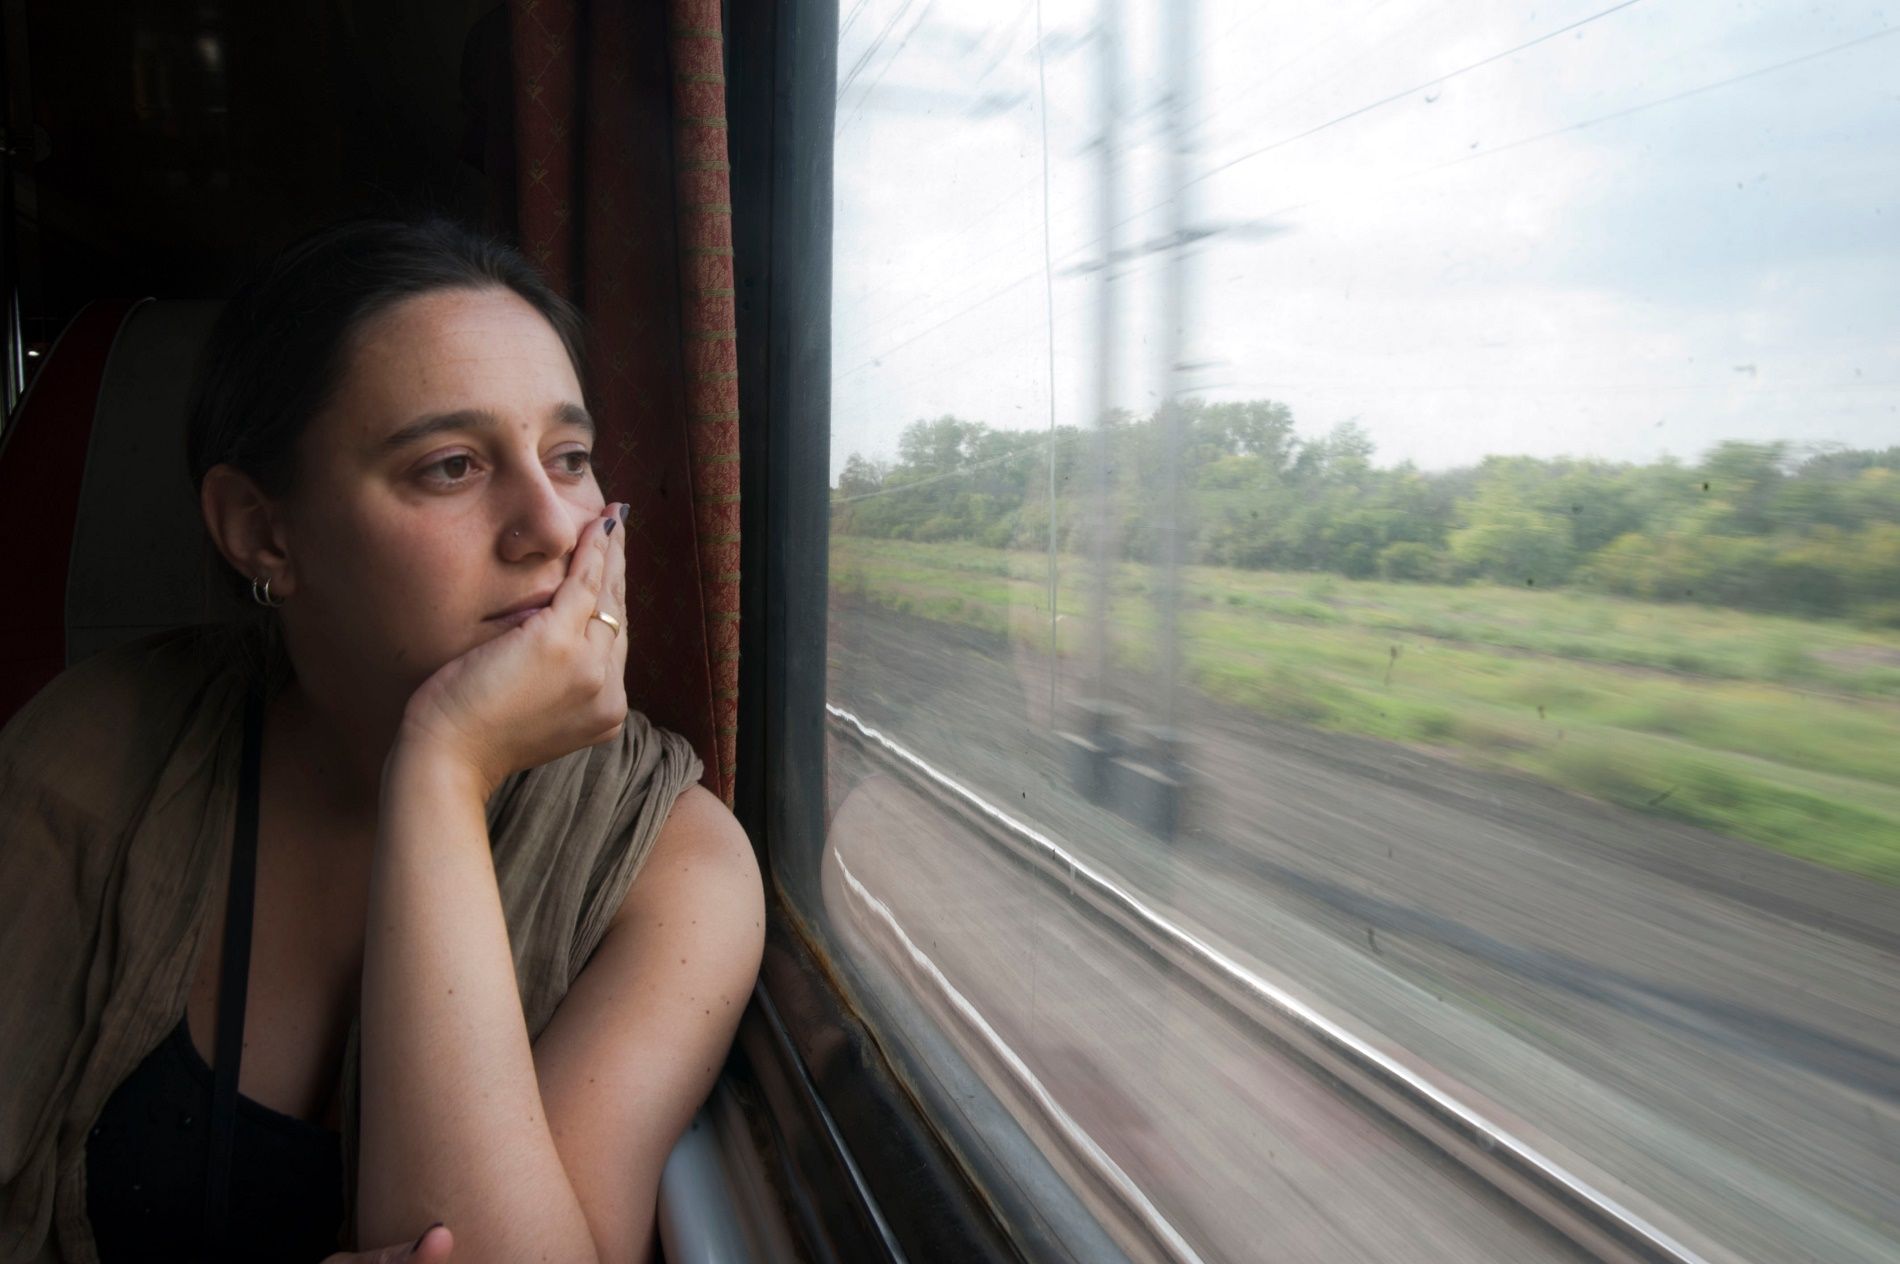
(455, 468)
(579, 461)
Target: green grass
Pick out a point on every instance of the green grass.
(1781, 730)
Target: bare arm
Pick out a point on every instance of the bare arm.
(640, 1037)
(452, 1121)
(554, 1152)
(453, 1126)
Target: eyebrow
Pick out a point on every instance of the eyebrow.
(565, 414)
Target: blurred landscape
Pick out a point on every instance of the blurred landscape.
(1409, 494)
(1717, 644)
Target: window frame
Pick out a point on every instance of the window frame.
(879, 1146)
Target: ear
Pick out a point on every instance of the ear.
(246, 526)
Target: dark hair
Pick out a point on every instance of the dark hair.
(281, 345)
(280, 348)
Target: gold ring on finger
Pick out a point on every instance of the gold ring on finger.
(609, 620)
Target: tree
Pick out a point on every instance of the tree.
(1510, 541)
(1755, 525)
(861, 477)
(1409, 559)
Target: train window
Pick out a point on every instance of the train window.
(1363, 664)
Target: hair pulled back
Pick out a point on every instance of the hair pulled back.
(279, 350)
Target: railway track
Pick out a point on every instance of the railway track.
(1583, 1214)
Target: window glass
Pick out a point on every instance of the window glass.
(1379, 523)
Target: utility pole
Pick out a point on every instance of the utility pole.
(1137, 770)
(1095, 744)
(1178, 125)
(1102, 400)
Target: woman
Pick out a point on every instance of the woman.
(426, 797)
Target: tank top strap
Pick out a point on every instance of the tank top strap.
(233, 981)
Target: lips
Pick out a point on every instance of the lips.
(521, 607)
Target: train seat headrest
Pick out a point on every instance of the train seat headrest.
(138, 543)
(105, 540)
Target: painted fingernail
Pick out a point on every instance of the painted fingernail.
(623, 511)
(425, 1233)
(611, 524)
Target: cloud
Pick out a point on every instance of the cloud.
(1454, 268)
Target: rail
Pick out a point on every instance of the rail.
(1587, 1216)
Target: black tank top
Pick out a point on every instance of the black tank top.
(180, 1166)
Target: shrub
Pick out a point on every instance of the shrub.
(1881, 614)
(1432, 724)
(1409, 560)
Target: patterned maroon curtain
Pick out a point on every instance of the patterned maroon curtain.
(623, 197)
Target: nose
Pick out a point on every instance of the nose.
(539, 520)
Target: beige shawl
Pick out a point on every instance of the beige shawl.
(118, 786)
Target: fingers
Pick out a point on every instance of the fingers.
(433, 1247)
(613, 598)
(579, 594)
(597, 580)
(610, 595)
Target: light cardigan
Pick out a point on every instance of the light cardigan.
(118, 786)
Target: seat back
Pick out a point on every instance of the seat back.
(103, 538)
(139, 541)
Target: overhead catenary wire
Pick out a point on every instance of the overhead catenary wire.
(1275, 75)
(1154, 206)
(851, 19)
(1439, 79)
(1414, 173)
(1403, 93)
(1009, 199)
(1006, 337)
(864, 58)
(991, 297)
(958, 472)
(969, 225)
(885, 69)
(1582, 124)
(1004, 42)
(857, 347)
(1565, 129)
(1672, 99)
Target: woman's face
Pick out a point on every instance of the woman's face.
(446, 483)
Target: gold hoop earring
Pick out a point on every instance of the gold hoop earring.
(262, 595)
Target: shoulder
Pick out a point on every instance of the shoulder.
(702, 857)
(701, 827)
(134, 734)
(92, 729)
(114, 677)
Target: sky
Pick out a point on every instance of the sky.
(1651, 227)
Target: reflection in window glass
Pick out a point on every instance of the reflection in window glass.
(1408, 495)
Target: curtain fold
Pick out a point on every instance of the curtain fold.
(623, 197)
